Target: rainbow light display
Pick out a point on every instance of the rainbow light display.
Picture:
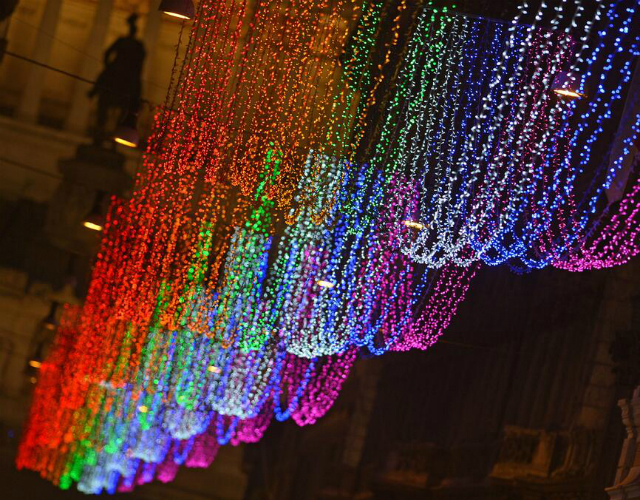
(257, 258)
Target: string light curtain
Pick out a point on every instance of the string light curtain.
(207, 317)
(504, 160)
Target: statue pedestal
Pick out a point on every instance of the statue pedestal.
(91, 171)
(96, 168)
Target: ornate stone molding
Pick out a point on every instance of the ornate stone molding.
(627, 482)
(543, 456)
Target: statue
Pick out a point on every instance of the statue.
(6, 8)
(119, 86)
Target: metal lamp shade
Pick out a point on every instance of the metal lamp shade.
(182, 9)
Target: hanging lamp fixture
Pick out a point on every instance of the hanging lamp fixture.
(127, 132)
(95, 220)
(182, 9)
(50, 322)
(565, 85)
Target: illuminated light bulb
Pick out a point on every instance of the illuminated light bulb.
(180, 9)
(143, 409)
(568, 93)
(35, 363)
(214, 369)
(125, 142)
(325, 284)
(92, 226)
(413, 224)
(175, 14)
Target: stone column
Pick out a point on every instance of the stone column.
(150, 40)
(30, 99)
(627, 482)
(368, 374)
(78, 117)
